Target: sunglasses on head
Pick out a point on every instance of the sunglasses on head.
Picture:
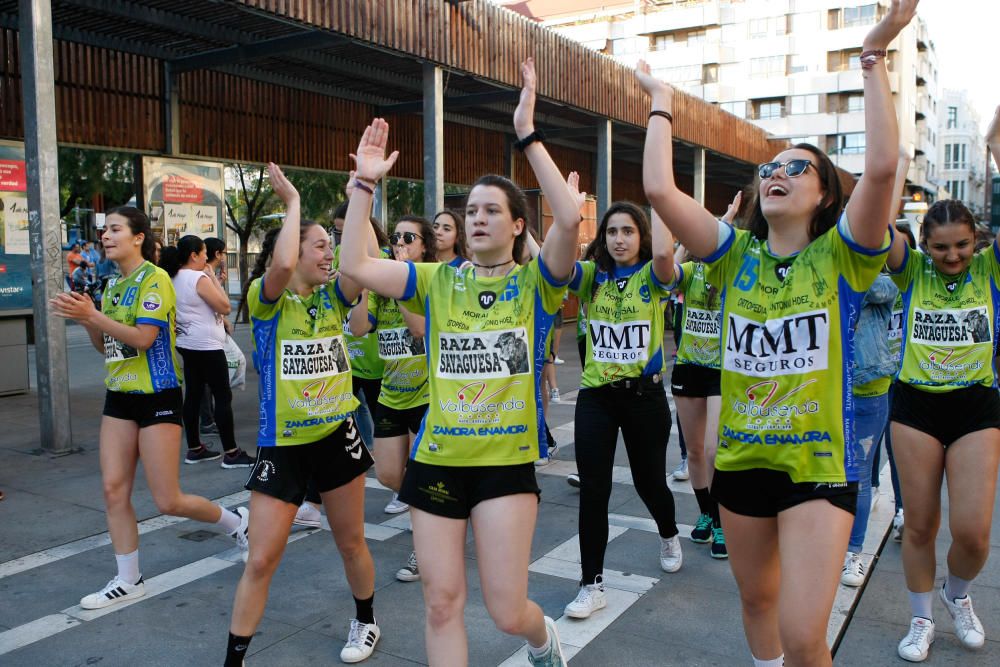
(408, 237)
(793, 168)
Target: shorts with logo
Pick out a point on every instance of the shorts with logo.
(947, 415)
(764, 493)
(283, 472)
(390, 422)
(695, 381)
(162, 407)
(452, 491)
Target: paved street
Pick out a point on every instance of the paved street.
(54, 549)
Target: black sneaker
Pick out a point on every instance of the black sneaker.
(199, 454)
(702, 531)
(719, 544)
(238, 459)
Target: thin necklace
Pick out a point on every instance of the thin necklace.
(490, 267)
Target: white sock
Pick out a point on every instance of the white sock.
(920, 604)
(956, 587)
(228, 521)
(773, 662)
(128, 567)
(541, 650)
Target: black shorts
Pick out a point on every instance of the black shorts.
(695, 381)
(283, 472)
(453, 491)
(162, 407)
(390, 422)
(761, 492)
(947, 415)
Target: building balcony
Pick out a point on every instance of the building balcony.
(681, 17)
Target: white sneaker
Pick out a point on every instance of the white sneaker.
(361, 641)
(589, 599)
(967, 626)
(558, 362)
(541, 463)
(395, 506)
(680, 473)
(242, 534)
(554, 395)
(410, 571)
(897, 526)
(117, 590)
(573, 479)
(671, 556)
(308, 515)
(917, 642)
(554, 656)
(853, 572)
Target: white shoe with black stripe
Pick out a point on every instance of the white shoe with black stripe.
(361, 641)
(116, 591)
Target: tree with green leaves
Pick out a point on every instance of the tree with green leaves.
(85, 173)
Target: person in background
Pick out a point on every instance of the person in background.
(216, 251)
(449, 237)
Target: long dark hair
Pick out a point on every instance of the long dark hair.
(138, 223)
(517, 204)
(214, 247)
(829, 209)
(380, 236)
(946, 212)
(600, 243)
(461, 248)
(172, 259)
(267, 247)
(426, 231)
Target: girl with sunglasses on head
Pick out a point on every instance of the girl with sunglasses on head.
(404, 391)
(473, 458)
(945, 417)
(792, 284)
(307, 435)
(449, 236)
(135, 330)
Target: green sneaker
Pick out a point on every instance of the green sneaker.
(554, 656)
(719, 544)
(702, 531)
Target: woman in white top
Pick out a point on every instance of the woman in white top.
(202, 303)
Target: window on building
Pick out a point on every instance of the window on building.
(735, 108)
(709, 73)
(955, 156)
(855, 103)
(957, 189)
(769, 66)
(840, 61)
(684, 75)
(952, 118)
(855, 16)
(805, 104)
(812, 139)
(851, 143)
(768, 108)
(623, 46)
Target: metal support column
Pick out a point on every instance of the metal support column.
(603, 167)
(38, 89)
(171, 112)
(433, 140)
(380, 204)
(699, 175)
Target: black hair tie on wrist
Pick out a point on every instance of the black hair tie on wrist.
(521, 144)
(662, 114)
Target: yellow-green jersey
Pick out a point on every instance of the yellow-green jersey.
(624, 321)
(301, 356)
(363, 350)
(950, 323)
(146, 296)
(787, 352)
(701, 322)
(404, 378)
(486, 348)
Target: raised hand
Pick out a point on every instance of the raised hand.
(661, 92)
(734, 208)
(349, 188)
(900, 14)
(573, 183)
(524, 115)
(370, 161)
(281, 185)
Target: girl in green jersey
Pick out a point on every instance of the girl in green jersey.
(449, 238)
(792, 285)
(945, 417)
(473, 459)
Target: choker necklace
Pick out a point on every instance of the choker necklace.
(493, 266)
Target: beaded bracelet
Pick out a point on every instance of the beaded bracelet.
(869, 58)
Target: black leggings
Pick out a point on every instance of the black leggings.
(644, 420)
(201, 368)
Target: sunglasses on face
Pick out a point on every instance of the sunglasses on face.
(793, 168)
(408, 237)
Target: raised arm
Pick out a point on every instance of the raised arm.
(898, 250)
(696, 228)
(869, 205)
(663, 250)
(286, 247)
(993, 142)
(385, 276)
(559, 248)
(357, 319)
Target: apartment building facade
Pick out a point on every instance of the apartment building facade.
(962, 152)
(790, 66)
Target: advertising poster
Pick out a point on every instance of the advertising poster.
(184, 197)
(15, 258)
